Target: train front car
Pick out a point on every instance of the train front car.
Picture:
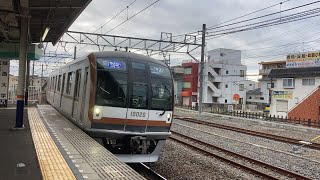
(133, 105)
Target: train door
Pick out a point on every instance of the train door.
(137, 114)
(83, 96)
(75, 99)
(62, 89)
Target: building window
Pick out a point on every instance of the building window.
(227, 72)
(261, 98)
(250, 84)
(288, 82)
(186, 85)
(241, 87)
(226, 85)
(250, 97)
(187, 70)
(241, 73)
(225, 101)
(308, 82)
(270, 85)
(303, 55)
(194, 98)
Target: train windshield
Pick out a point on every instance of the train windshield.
(161, 87)
(111, 83)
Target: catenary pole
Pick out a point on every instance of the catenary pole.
(203, 44)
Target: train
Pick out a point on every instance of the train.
(122, 99)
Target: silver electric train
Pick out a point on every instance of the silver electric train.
(122, 99)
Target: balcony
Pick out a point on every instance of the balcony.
(264, 71)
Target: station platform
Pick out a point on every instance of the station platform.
(63, 151)
(18, 159)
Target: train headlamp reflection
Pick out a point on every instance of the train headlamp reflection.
(97, 111)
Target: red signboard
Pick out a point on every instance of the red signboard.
(236, 97)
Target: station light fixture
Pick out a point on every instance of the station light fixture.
(44, 35)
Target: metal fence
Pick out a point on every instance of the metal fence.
(34, 94)
(234, 107)
(261, 116)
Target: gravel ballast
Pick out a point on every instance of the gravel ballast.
(179, 162)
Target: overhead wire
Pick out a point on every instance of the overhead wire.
(128, 19)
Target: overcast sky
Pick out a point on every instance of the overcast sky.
(185, 16)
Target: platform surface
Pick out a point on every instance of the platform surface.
(85, 157)
(18, 158)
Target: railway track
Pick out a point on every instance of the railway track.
(256, 167)
(250, 132)
(146, 171)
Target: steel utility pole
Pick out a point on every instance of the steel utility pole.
(203, 44)
(75, 53)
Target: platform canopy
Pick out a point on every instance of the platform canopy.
(53, 16)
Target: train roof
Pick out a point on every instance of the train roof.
(128, 55)
(120, 54)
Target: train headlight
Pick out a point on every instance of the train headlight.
(97, 111)
(169, 115)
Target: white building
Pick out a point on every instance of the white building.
(296, 90)
(34, 81)
(253, 92)
(224, 77)
(292, 85)
(260, 95)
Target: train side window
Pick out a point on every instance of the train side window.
(63, 82)
(54, 83)
(77, 83)
(59, 83)
(69, 83)
(50, 81)
(86, 74)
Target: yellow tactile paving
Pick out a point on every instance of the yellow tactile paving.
(52, 164)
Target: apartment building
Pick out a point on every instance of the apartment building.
(224, 77)
(189, 92)
(261, 95)
(296, 88)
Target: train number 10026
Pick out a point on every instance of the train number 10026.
(138, 114)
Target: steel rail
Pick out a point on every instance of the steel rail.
(250, 132)
(230, 153)
(142, 168)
